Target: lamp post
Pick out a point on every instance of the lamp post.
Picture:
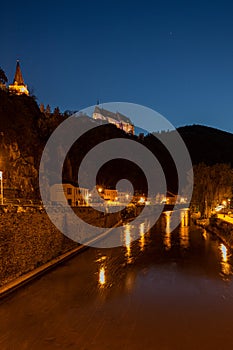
(1, 187)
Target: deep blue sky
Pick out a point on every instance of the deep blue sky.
(173, 56)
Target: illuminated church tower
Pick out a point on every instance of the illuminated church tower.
(18, 87)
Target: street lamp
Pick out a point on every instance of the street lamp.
(1, 187)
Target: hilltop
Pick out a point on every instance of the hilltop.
(24, 130)
(23, 134)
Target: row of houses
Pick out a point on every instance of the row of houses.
(76, 196)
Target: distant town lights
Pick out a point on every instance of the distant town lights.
(141, 200)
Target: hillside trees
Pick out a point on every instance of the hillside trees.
(3, 77)
(212, 185)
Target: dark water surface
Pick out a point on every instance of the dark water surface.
(164, 291)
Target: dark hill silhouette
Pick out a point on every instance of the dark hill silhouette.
(207, 144)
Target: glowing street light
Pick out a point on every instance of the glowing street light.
(141, 200)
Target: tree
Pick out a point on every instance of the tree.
(42, 109)
(56, 111)
(3, 77)
(212, 185)
(68, 113)
(48, 110)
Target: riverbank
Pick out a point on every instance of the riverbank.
(222, 229)
(30, 243)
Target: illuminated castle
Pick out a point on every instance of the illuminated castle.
(18, 87)
(120, 120)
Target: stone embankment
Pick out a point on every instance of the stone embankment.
(222, 229)
(28, 239)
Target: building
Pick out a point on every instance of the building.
(75, 196)
(118, 119)
(123, 197)
(110, 195)
(106, 194)
(18, 87)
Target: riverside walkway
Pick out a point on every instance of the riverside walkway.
(226, 218)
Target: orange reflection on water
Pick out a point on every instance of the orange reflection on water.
(102, 271)
(184, 236)
(184, 218)
(205, 235)
(168, 221)
(167, 241)
(167, 236)
(142, 236)
(223, 249)
(127, 241)
(102, 278)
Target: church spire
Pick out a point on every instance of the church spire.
(18, 75)
(18, 87)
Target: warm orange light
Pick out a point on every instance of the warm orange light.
(142, 236)
(102, 278)
(128, 243)
(223, 249)
(225, 266)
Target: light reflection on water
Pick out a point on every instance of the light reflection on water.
(205, 235)
(167, 236)
(102, 270)
(184, 218)
(127, 242)
(225, 266)
(167, 241)
(170, 241)
(142, 236)
(102, 279)
(184, 236)
(168, 221)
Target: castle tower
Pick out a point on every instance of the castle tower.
(18, 87)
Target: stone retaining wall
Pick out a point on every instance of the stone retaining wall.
(222, 229)
(29, 239)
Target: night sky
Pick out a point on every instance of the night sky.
(173, 56)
